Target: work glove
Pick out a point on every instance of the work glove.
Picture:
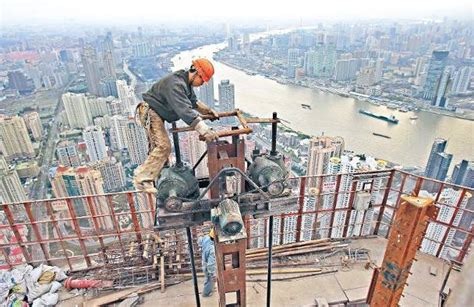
(205, 132)
(205, 110)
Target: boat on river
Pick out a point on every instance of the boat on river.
(381, 135)
(390, 119)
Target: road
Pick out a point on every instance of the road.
(46, 154)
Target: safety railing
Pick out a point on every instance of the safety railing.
(77, 232)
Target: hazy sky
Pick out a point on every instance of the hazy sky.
(26, 11)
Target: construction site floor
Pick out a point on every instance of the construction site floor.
(340, 287)
(344, 286)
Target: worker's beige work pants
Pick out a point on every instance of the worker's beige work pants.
(159, 150)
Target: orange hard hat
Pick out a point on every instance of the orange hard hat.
(204, 68)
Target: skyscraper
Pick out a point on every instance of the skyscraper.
(67, 182)
(109, 64)
(438, 161)
(321, 149)
(14, 139)
(108, 87)
(33, 123)
(463, 174)
(462, 79)
(448, 200)
(112, 172)
(97, 106)
(196, 149)
(226, 99)
(206, 93)
(441, 100)
(95, 143)
(92, 70)
(435, 70)
(11, 189)
(77, 110)
(126, 95)
(136, 142)
(18, 81)
(67, 154)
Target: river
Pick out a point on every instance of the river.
(334, 115)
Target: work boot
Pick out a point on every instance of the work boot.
(145, 186)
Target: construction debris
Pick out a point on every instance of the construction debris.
(26, 285)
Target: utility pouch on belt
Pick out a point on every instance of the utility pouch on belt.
(141, 114)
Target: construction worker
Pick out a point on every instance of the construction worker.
(208, 262)
(171, 99)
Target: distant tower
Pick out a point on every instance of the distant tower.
(438, 161)
(11, 189)
(206, 93)
(463, 174)
(77, 110)
(461, 80)
(14, 139)
(95, 143)
(91, 69)
(435, 70)
(67, 154)
(109, 64)
(33, 123)
(226, 99)
(441, 99)
(126, 95)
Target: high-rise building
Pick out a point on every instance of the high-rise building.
(114, 106)
(463, 174)
(67, 182)
(14, 139)
(440, 99)
(420, 66)
(321, 149)
(226, 99)
(435, 71)
(361, 219)
(321, 61)
(126, 134)
(77, 110)
(438, 161)
(18, 81)
(206, 93)
(11, 189)
(108, 87)
(118, 139)
(378, 70)
(196, 149)
(448, 201)
(462, 79)
(95, 143)
(346, 69)
(92, 70)
(33, 123)
(97, 106)
(112, 172)
(126, 95)
(67, 154)
(109, 64)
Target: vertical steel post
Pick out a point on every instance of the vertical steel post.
(193, 266)
(274, 134)
(177, 150)
(269, 273)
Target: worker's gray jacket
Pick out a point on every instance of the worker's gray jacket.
(172, 98)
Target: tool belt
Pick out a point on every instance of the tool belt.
(142, 115)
